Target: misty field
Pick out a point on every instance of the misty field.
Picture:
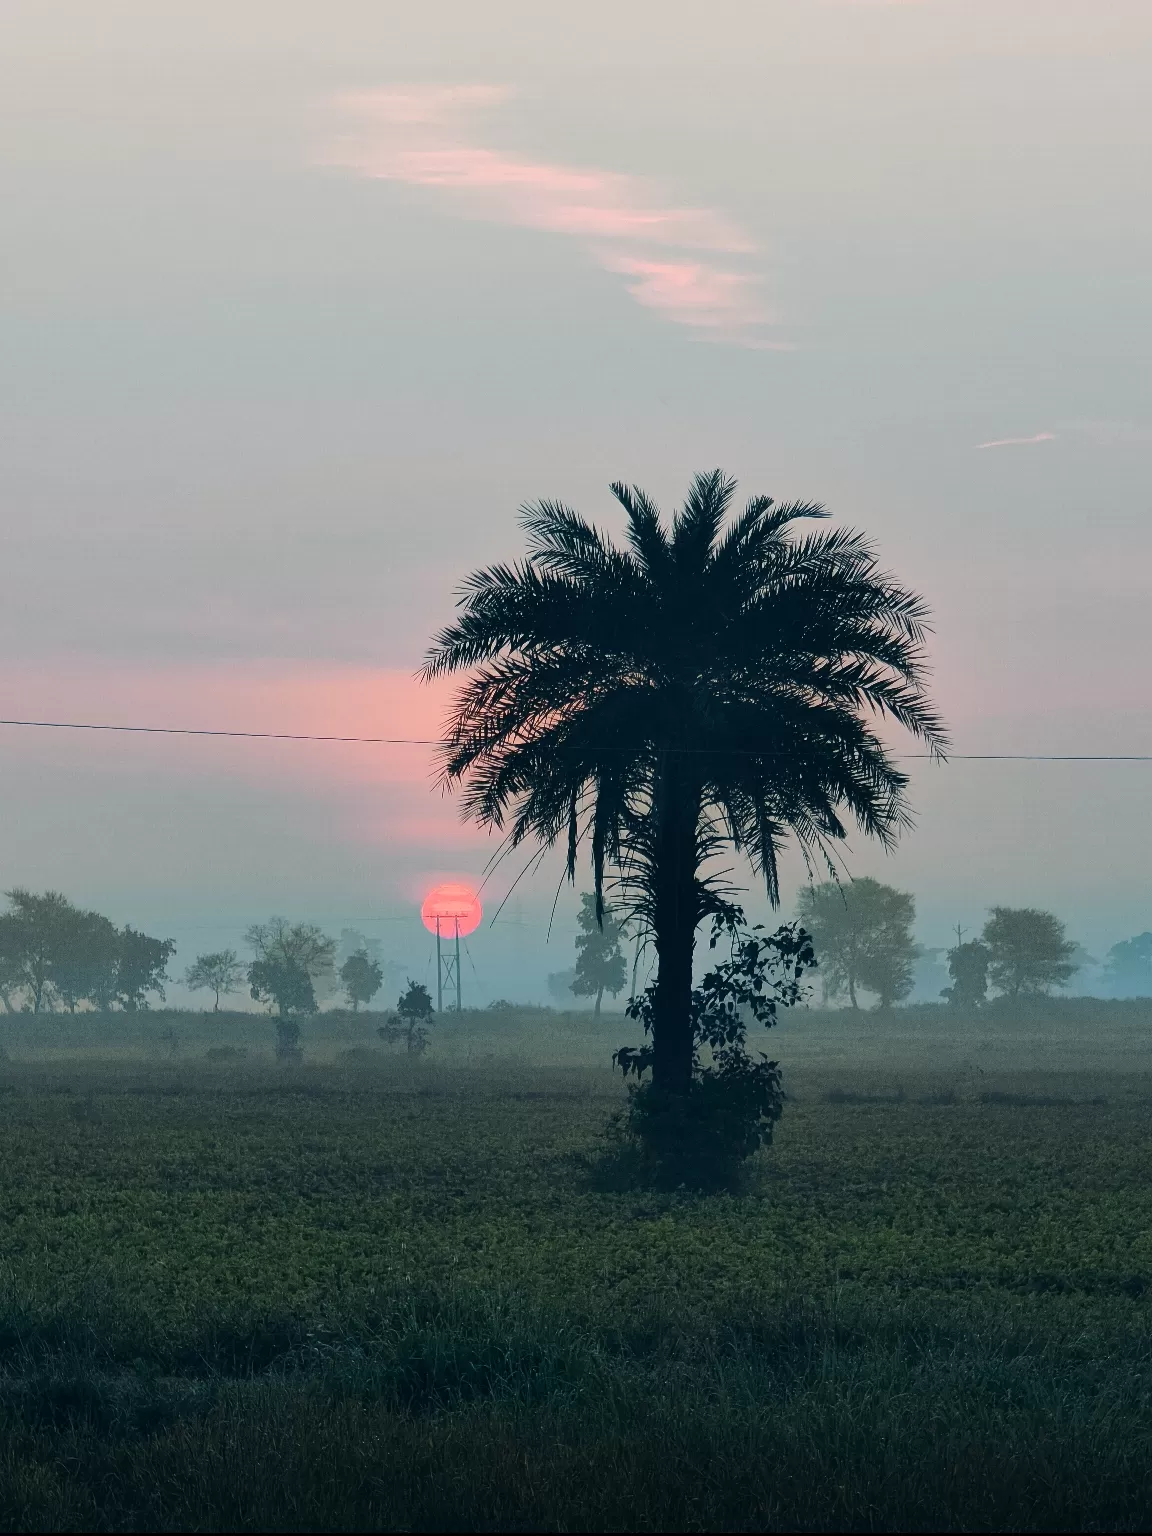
(369, 1292)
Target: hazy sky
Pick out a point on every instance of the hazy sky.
(301, 301)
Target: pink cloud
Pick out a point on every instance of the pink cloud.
(693, 292)
(1019, 442)
(423, 137)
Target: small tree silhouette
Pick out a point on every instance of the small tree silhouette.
(362, 978)
(218, 972)
(600, 967)
(414, 1013)
(968, 967)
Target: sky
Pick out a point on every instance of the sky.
(299, 303)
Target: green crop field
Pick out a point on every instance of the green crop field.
(364, 1292)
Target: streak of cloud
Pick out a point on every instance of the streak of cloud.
(1019, 442)
(683, 261)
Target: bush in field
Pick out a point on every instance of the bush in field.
(862, 935)
(1028, 951)
(362, 978)
(414, 1013)
(968, 968)
(218, 972)
(702, 1136)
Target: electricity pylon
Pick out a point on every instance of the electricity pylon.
(447, 967)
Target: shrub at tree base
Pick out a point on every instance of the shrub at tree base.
(702, 1138)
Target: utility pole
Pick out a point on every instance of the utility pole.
(457, 965)
(439, 972)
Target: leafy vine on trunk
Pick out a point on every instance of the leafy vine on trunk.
(700, 1130)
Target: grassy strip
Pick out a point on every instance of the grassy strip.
(469, 1413)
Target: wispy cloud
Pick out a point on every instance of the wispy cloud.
(1019, 442)
(692, 264)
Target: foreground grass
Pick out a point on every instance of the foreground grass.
(339, 1297)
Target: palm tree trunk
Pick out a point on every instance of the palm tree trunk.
(674, 915)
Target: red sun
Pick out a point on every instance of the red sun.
(453, 905)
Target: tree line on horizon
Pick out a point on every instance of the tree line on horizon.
(863, 941)
(57, 955)
(54, 954)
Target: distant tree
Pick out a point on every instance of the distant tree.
(289, 958)
(968, 967)
(600, 966)
(295, 944)
(1029, 951)
(862, 934)
(284, 984)
(51, 950)
(32, 934)
(362, 978)
(560, 987)
(351, 939)
(1128, 969)
(218, 972)
(414, 1013)
(85, 960)
(11, 974)
(141, 967)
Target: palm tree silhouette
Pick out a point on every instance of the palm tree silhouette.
(706, 686)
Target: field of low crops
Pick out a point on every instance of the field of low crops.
(368, 1292)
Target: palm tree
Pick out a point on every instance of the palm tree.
(713, 684)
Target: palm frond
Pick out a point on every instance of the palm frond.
(645, 530)
(696, 525)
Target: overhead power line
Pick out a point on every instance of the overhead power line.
(188, 730)
(430, 741)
